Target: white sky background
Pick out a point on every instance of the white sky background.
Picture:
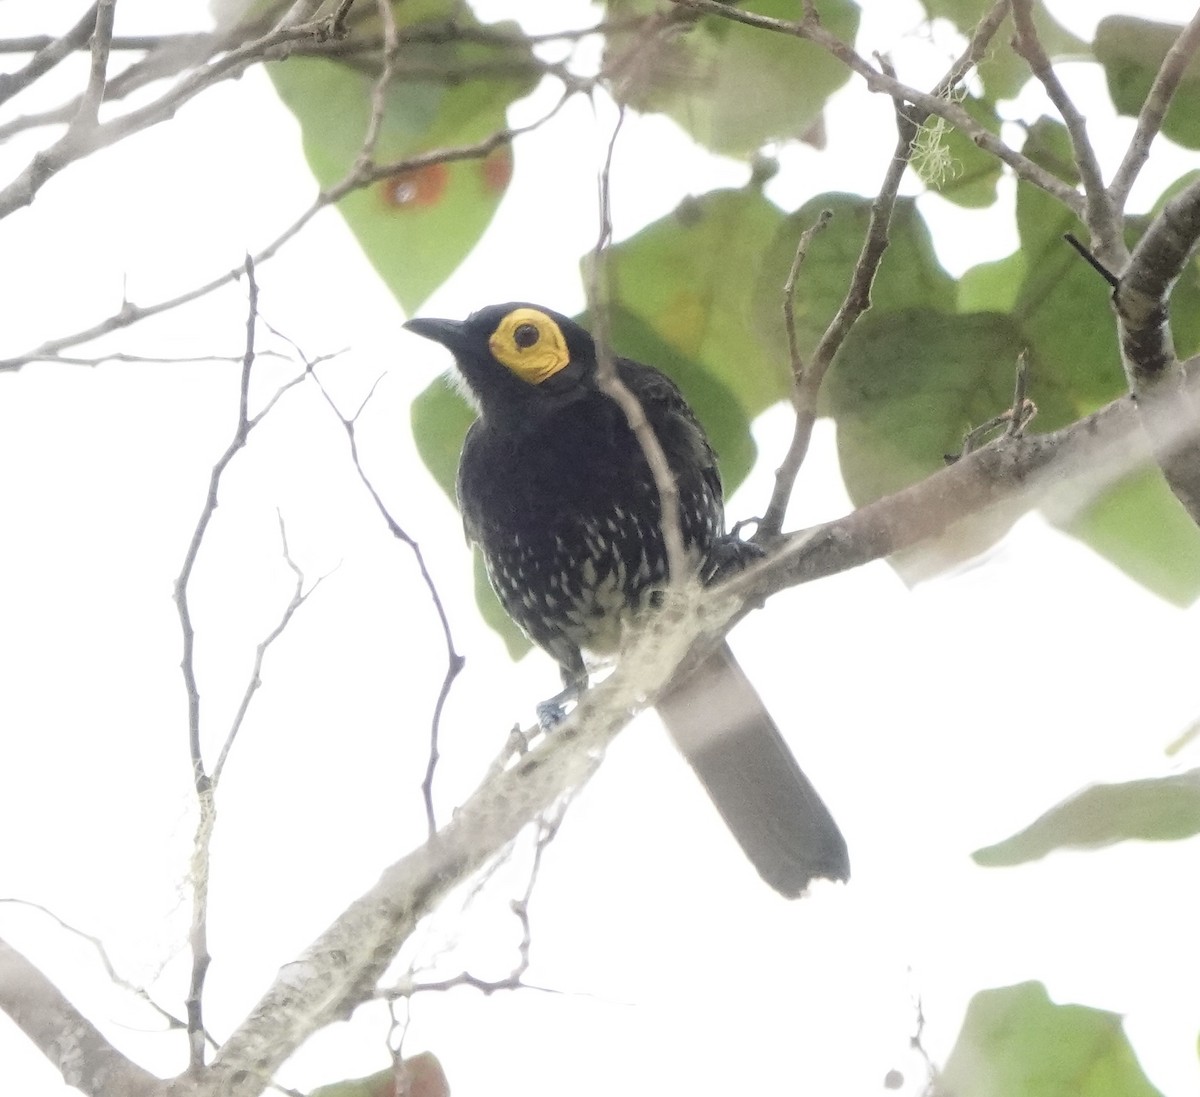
(933, 721)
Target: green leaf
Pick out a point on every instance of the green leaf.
(1004, 73)
(1156, 809)
(1131, 51)
(1063, 312)
(1015, 1042)
(907, 386)
(725, 421)
(418, 226)
(735, 88)
(992, 287)
(1143, 529)
(909, 277)
(904, 390)
(689, 278)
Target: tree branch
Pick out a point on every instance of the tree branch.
(810, 29)
(1154, 109)
(65, 1036)
(1156, 378)
(340, 969)
(1101, 215)
(50, 52)
(808, 379)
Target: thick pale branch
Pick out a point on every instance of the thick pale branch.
(341, 968)
(1156, 378)
(65, 1036)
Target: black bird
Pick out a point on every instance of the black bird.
(555, 489)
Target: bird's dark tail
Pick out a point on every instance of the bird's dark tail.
(719, 722)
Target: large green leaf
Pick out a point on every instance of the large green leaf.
(1131, 51)
(418, 226)
(734, 88)
(910, 276)
(690, 279)
(1060, 307)
(907, 386)
(1154, 809)
(1015, 1042)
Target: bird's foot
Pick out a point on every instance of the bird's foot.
(729, 556)
(553, 711)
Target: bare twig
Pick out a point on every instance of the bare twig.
(454, 661)
(1088, 257)
(76, 143)
(89, 107)
(114, 976)
(254, 683)
(547, 828)
(789, 291)
(811, 29)
(610, 383)
(808, 380)
(50, 51)
(1014, 419)
(206, 803)
(203, 783)
(341, 968)
(130, 313)
(1154, 109)
(1101, 216)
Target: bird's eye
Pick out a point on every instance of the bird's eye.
(525, 335)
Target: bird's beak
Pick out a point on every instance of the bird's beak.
(450, 333)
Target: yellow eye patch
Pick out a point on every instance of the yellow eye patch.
(530, 344)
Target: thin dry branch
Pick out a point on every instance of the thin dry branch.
(454, 660)
(1101, 216)
(203, 783)
(1154, 109)
(879, 82)
(110, 970)
(129, 313)
(341, 968)
(809, 378)
(82, 140)
(547, 830)
(254, 683)
(50, 51)
(89, 107)
(610, 383)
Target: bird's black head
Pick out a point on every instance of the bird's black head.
(516, 354)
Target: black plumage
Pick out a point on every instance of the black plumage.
(556, 490)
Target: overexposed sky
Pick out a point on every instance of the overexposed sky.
(934, 721)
